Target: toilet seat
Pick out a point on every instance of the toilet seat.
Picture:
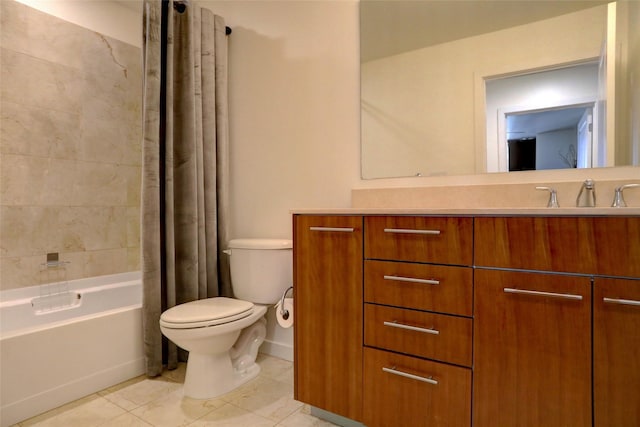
(206, 312)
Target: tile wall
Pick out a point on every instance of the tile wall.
(70, 162)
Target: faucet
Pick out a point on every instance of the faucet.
(618, 198)
(553, 197)
(589, 198)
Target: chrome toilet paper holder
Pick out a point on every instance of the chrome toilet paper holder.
(284, 312)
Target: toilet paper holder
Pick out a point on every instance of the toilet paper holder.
(284, 312)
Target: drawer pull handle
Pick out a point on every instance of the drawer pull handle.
(395, 324)
(543, 294)
(621, 301)
(338, 229)
(394, 371)
(410, 231)
(413, 280)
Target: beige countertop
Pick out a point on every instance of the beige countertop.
(598, 211)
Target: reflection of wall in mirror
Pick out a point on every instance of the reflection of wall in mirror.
(418, 109)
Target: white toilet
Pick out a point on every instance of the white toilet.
(222, 334)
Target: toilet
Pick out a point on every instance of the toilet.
(222, 335)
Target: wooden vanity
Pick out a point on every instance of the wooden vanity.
(468, 319)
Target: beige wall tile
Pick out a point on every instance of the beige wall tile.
(18, 272)
(99, 263)
(98, 184)
(34, 131)
(133, 259)
(71, 149)
(37, 82)
(26, 230)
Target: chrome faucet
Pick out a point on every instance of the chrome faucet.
(618, 198)
(553, 197)
(589, 198)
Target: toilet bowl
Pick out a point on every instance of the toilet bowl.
(223, 335)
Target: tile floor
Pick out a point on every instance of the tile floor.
(266, 401)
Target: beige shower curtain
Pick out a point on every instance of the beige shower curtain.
(185, 165)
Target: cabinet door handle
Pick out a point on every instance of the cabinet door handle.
(394, 371)
(542, 294)
(413, 280)
(621, 301)
(395, 324)
(338, 229)
(410, 231)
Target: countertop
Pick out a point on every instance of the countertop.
(598, 211)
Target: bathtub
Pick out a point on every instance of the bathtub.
(60, 342)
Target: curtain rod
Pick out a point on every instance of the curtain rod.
(181, 5)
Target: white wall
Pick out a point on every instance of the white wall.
(293, 109)
(549, 144)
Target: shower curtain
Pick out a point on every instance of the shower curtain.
(185, 166)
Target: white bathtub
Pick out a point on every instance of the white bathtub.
(58, 347)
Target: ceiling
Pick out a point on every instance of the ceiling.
(389, 27)
(531, 124)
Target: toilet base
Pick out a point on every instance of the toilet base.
(212, 375)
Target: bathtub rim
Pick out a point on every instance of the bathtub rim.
(8, 296)
(86, 285)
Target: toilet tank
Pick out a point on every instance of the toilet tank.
(261, 269)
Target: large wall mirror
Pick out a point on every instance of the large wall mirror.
(467, 87)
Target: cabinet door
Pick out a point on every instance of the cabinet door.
(328, 313)
(532, 349)
(616, 347)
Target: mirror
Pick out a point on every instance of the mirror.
(429, 68)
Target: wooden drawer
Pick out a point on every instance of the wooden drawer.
(393, 400)
(434, 336)
(617, 246)
(438, 288)
(438, 240)
(560, 244)
(534, 243)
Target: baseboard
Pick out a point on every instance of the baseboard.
(277, 349)
(334, 418)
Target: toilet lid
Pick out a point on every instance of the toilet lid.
(206, 312)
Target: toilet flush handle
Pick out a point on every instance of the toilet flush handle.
(227, 251)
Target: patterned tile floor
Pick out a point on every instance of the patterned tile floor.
(266, 401)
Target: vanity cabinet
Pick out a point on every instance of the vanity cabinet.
(460, 320)
(418, 299)
(328, 310)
